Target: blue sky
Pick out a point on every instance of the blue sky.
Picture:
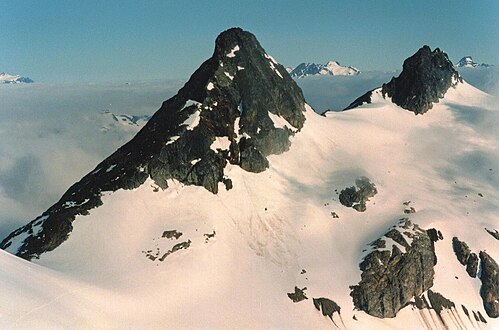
(86, 41)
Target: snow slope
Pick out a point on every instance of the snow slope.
(242, 250)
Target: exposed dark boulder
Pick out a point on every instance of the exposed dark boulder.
(410, 210)
(298, 295)
(489, 291)
(175, 248)
(225, 113)
(357, 196)
(439, 302)
(171, 234)
(425, 78)
(327, 307)
(434, 234)
(394, 275)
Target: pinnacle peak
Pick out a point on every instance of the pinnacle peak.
(425, 78)
(239, 107)
(232, 37)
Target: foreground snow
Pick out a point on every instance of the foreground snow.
(249, 246)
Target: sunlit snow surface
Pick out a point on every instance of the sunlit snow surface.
(272, 225)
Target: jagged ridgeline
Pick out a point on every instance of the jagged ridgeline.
(239, 107)
(425, 78)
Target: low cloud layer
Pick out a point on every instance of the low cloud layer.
(337, 92)
(486, 79)
(52, 135)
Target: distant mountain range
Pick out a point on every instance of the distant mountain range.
(331, 68)
(6, 78)
(467, 62)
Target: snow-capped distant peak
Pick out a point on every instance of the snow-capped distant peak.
(123, 121)
(467, 62)
(6, 78)
(331, 68)
(337, 69)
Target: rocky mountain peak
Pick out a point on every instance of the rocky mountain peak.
(425, 78)
(239, 107)
(468, 62)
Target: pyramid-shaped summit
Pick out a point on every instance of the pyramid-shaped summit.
(425, 78)
(239, 107)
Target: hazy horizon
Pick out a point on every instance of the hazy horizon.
(91, 41)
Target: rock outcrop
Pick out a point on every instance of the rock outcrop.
(399, 268)
(490, 284)
(357, 196)
(425, 78)
(494, 233)
(298, 295)
(239, 107)
(465, 256)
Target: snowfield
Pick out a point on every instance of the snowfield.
(241, 251)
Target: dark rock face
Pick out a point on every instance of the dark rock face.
(393, 275)
(366, 98)
(490, 284)
(327, 307)
(356, 197)
(465, 256)
(425, 78)
(224, 114)
(461, 250)
(472, 265)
